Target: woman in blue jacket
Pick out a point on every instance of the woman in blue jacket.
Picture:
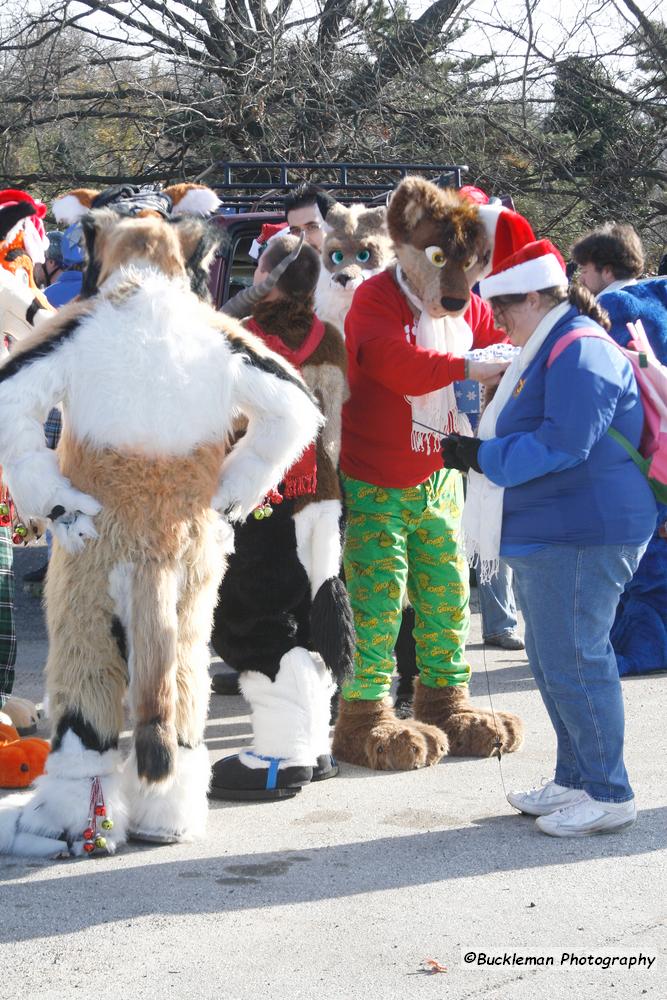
(540, 477)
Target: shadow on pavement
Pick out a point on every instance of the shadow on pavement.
(91, 895)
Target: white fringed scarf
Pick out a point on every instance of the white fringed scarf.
(437, 409)
(483, 512)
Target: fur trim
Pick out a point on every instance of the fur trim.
(175, 810)
(288, 713)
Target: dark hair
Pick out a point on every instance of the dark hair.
(300, 278)
(577, 295)
(308, 194)
(615, 246)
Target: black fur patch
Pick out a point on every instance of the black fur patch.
(155, 747)
(264, 598)
(84, 730)
(12, 214)
(266, 364)
(212, 239)
(332, 628)
(16, 362)
(120, 635)
(32, 311)
(91, 272)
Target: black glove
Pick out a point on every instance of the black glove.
(459, 452)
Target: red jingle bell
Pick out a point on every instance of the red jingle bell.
(5, 520)
(100, 810)
(89, 847)
(16, 538)
(88, 833)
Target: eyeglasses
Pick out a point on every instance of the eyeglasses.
(310, 227)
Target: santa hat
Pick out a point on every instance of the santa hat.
(269, 231)
(535, 266)
(475, 194)
(507, 231)
(35, 240)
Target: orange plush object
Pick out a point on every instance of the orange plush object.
(21, 761)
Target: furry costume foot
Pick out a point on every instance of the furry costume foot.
(290, 718)
(51, 820)
(471, 731)
(170, 811)
(368, 733)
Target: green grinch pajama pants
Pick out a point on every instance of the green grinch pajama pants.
(7, 631)
(398, 540)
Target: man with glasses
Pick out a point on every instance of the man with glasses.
(306, 209)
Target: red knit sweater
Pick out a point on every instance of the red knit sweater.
(385, 365)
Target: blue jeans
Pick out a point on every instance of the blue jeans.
(568, 595)
(496, 603)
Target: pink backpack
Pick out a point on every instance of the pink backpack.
(651, 379)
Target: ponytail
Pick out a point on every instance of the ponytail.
(583, 301)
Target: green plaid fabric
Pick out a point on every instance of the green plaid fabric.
(7, 629)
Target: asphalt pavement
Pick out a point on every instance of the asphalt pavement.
(356, 887)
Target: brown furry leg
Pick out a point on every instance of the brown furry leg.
(369, 734)
(471, 731)
(204, 564)
(85, 672)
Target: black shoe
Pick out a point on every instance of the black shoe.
(233, 780)
(37, 575)
(326, 767)
(226, 683)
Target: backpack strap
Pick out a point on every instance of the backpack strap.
(570, 337)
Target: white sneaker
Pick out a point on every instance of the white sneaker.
(588, 816)
(542, 801)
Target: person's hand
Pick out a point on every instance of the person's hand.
(487, 372)
(460, 452)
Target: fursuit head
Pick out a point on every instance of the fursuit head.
(140, 496)
(445, 243)
(356, 246)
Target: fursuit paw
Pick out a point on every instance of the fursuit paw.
(72, 530)
(472, 732)
(368, 733)
(54, 820)
(171, 811)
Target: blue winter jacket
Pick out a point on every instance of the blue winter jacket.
(567, 482)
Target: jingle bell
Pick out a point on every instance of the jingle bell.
(89, 847)
(100, 810)
(88, 833)
(258, 514)
(4, 509)
(107, 824)
(268, 510)
(21, 530)
(100, 842)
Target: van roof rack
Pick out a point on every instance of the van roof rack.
(263, 184)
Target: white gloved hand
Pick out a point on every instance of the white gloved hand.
(72, 517)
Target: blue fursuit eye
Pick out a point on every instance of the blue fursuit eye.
(363, 256)
(337, 256)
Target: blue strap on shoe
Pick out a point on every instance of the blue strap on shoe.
(274, 766)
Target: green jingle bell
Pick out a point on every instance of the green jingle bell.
(268, 510)
(100, 842)
(21, 530)
(258, 514)
(4, 510)
(107, 824)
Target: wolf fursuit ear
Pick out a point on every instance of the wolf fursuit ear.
(94, 226)
(199, 243)
(416, 200)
